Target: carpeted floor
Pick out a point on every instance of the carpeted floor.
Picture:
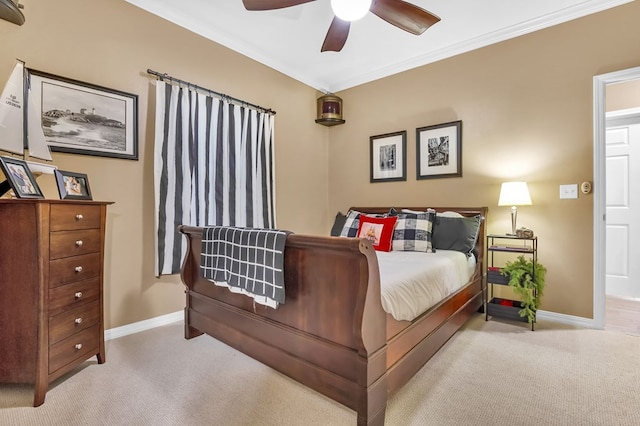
(490, 373)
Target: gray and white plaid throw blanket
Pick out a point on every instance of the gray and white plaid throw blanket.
(248, 260)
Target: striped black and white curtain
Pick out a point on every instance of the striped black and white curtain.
(214, 165)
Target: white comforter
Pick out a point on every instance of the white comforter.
(412, 282)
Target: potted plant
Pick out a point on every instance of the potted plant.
(524, 278)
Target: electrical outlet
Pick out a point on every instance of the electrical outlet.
(569, 191)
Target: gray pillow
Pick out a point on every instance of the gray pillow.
(338, 224)
(456, 233)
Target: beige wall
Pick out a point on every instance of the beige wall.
(625, 95)
(111, 43)
(526, 109)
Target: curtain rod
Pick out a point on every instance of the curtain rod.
(163, 76)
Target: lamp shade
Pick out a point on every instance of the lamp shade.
(514, 194)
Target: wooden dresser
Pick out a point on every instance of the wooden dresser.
(51, 289)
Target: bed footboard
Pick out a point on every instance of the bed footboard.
(330, 334)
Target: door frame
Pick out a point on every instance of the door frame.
(599, 187)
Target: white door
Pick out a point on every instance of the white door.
(622, 198)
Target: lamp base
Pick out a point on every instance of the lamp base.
(514, 216)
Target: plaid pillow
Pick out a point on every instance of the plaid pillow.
(352, 223)
(413, 231)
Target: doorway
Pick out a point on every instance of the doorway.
(622, 272)
(615, 234)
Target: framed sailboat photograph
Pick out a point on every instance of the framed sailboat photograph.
(83, 118)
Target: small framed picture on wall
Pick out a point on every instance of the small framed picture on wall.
(439, 151)
(388, 156)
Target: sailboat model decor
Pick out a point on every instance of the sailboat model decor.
(14, 119)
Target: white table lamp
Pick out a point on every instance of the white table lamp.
(514, 194)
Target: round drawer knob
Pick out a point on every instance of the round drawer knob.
(78, 320)
(79, 217)
(78, 295)
(79, 243)
(78, 269)
(78, 346)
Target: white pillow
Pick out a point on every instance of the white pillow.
(448, 214)
(414, 211)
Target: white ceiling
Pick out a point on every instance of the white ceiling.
(289, 40)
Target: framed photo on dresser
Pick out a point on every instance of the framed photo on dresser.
(19, 178)
(72, 185)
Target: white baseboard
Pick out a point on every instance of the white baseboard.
(566, 319)
(136, 327)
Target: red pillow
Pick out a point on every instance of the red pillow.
(378, 230)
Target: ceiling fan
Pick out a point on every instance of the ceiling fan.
(403, 15)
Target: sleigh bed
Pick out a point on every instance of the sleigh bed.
(332, 333)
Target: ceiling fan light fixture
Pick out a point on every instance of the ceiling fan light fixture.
(350, 10)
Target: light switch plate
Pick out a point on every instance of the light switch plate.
(569, 191)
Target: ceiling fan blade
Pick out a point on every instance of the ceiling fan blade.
(336, 36)
(403, 15)
(271, 4)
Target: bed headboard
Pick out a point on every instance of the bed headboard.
(464, 211)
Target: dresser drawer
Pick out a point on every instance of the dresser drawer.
(74, 216)
(67, 323)
(73, 243)
(77, 347)
(71, 269)
(75, 294)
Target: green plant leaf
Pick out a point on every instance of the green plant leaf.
(527, 281)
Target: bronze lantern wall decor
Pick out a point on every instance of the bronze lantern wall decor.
(329, 110)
